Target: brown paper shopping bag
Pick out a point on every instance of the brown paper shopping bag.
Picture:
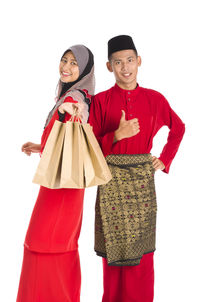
(72, 157)
(49, 168)
(88, 168)
(96, 170)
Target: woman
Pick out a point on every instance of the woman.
(51, 267)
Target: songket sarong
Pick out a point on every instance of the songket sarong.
(125, 219)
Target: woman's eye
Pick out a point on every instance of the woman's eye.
(73, 63)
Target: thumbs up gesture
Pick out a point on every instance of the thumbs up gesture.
(126, 128)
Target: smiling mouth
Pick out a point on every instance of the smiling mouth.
(66, 74)
(126, 75)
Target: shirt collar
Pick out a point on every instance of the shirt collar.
(131, 93)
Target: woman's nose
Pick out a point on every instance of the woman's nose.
(66, 66)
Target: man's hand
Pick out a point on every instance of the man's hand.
(29, 148)
(126, 128)
(157, 163)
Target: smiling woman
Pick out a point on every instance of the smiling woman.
(69, 70)
(51, 267)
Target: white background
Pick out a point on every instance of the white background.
(34, 35)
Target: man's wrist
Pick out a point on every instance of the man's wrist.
(117, 136)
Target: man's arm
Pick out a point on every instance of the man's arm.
(131, 128)
(177, 129)
(96, 118)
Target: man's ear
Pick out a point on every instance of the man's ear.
(139, 60)
(109, 66)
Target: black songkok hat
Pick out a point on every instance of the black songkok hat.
(120, 43)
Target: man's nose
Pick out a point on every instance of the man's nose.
(124, 66)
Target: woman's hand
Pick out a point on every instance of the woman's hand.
(29, 148)
(71, 107)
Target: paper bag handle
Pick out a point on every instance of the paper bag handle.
(75, 117)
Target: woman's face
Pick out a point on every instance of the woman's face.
(69, 71)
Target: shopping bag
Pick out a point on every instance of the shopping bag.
(72, 157)
(49, 167)
(96, 170)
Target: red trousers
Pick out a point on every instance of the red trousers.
(129, 283)
(52, 277)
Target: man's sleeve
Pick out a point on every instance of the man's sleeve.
(177, 129)
(96, 120)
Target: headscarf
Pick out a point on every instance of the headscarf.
(86, 79)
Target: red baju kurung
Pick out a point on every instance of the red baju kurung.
(57, 215)
(152, 111)
(51, 266)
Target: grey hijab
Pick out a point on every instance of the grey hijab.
(86, 79)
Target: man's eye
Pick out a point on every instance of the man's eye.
(64, 60)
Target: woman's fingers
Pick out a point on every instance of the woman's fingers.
(79, 109)
(26, 145)
(70, 107)
(27, 152)
(27, 148)
(67, 107)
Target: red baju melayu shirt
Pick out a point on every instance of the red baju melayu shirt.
(152, 110)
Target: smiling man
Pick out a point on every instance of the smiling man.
(125, 120)
(125, 64)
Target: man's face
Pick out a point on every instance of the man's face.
(125, 64)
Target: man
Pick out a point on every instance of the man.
(125, 120)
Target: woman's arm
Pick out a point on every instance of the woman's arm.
(73, 99)
(69, 107)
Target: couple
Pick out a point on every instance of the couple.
(125, 120)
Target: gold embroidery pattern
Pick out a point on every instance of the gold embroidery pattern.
(125, 220)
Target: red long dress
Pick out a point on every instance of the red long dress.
(51, 267)
(133, 283)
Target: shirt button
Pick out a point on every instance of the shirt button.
(131, 107)
(129, 99)
(129, 92)
(131, 115)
